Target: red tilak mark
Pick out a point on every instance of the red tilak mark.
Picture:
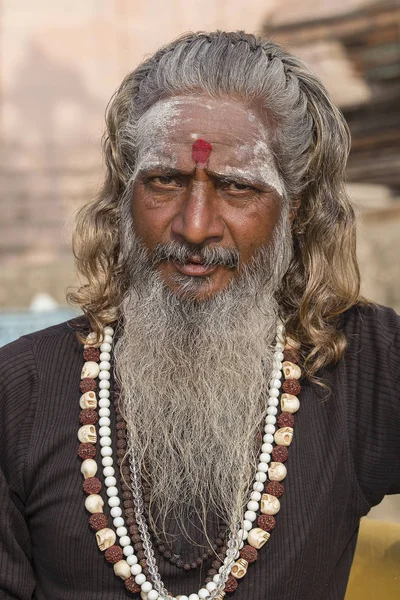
(201, 151)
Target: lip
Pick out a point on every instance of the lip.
(194, 269)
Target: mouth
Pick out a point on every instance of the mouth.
(195, 267)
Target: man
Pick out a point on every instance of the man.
(237, 411)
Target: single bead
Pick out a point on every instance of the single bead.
(105, 440)
(112, 491)
(94, 503)
(274, 393)
(105, 347)
(107, 461)
(88, 416)
(291, 386)
(91, 485)
(267, 448)
(140, 578)
(291, 370)
(203, 593)
(108, 472)
(146, 587)
(247, 524)
(110, 481)
(104, 422)
(132, 558)
(119, 522)
(277, 471)
(286, 419)
(258, 537)
(290, 403)
(284, 436)
(269, 428)
(249, 553)
(128, 550)
(270, 505)
(87, 434)
(122, 532)
(91, 354)
(275, 489)
(89, 468)
(266, 522)
(265, 457)
(87, 385)
(122, 569)
(255, 496)
(113, 554)
(104, 403)
(98, 521)
(272, 410)
(114, 501)
(273, 401)
(104, 393)
(104, 384)
(258, 486)
(116, 511)
(280, 453)
(108, 330)
(105, 538)
(131, 585)
(90, 370)
(239, 569)
(88, 400)
(231, 584)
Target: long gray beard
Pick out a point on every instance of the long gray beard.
(193, 385)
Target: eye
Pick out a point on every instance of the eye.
(236, 187)
(164, 181)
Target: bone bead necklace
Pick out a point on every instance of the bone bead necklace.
(138, 568)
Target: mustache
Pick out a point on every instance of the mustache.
(183, 252)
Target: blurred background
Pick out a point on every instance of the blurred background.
(61, 61)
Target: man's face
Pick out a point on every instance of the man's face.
(205, 179)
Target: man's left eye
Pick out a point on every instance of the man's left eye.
(235, 186)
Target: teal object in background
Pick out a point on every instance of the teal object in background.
(13, 324)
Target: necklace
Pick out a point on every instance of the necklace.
(134, 561)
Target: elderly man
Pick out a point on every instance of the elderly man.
(227, 409)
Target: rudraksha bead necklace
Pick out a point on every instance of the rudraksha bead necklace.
(133, 558)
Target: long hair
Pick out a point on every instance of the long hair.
(310, 141)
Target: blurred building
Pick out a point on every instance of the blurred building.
(61, 61)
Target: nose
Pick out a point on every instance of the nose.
(198, 220)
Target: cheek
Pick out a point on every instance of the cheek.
(254, 228)
(150, 221)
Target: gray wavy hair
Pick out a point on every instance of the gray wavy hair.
(310, 141)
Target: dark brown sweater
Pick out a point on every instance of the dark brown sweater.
(344, 458)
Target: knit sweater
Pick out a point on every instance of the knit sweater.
(345, 456)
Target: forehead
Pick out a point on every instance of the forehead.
(182, 120)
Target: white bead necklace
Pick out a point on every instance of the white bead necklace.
(155, 590)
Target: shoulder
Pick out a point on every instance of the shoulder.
(23, 350)
(24, 361)
(371, 330)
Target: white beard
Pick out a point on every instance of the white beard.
(193, 381)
